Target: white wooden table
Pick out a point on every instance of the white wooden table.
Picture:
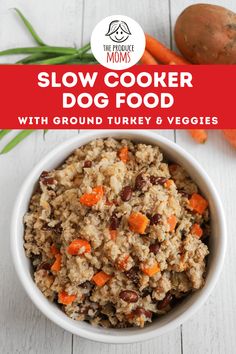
(23, 329)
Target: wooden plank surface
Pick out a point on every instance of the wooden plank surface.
(210, 330)
(22, 328)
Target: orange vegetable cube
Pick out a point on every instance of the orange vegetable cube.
(169, 183)
(197, 230)
(113, 234)
(172, 221)
(123, 154)
(197, 203)
(56, 267)
(150, 271)
(54, 250)
(76, 246)
(138, 222)
(90, 199)
(66, 299)
(101, 278)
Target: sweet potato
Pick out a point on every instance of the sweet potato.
(197, 231)
(66, 299)
(197, 203)
(150, 271)
(206, 34)
(101, 278)
(138, 222)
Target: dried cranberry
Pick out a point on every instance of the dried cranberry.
(132, 274)
(128, 296)
(114, 222)
(46, 179)
(44, 174)
(141, 311)
(126, 194)
(44, 265)
(158, 180)
(146, 291)
(154, 219)
(154, 248)
(165, 302)
(87, 164)
(139, 182)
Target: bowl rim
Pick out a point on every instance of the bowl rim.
(35, 294)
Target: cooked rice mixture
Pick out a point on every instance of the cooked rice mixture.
(117, 235)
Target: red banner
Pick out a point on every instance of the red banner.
(92, 97)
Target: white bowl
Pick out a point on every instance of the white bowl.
(180, 313)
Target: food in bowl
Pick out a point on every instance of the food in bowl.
(117, 234)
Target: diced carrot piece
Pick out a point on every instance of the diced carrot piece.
(123, 262)
(123, 154)
(101, 278)
(90, 199)
(66, 299)
(199, 135)
(150, 271)
(76, 246)
(197, 230)
(54, 250)
(138, 222)
(113, 234)
(56, 267)
(230, 135)
(198, 203)
(172, 221)
(168, 183)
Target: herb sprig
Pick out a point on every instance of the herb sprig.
(43, 53)
(16, 140)
(48, 54)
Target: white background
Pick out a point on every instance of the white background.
(22, 327)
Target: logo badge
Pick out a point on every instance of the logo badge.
(118, 42)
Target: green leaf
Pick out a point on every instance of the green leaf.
(42, 49)
(33, 58)
(4, 132)
(16, 140)
(30, 28)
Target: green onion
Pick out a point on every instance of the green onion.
(30, 28)
(16, 140)
(35, 57)
(4, 132)
(47, 54)
(65, 59)
(42, 49)
(58, 60)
